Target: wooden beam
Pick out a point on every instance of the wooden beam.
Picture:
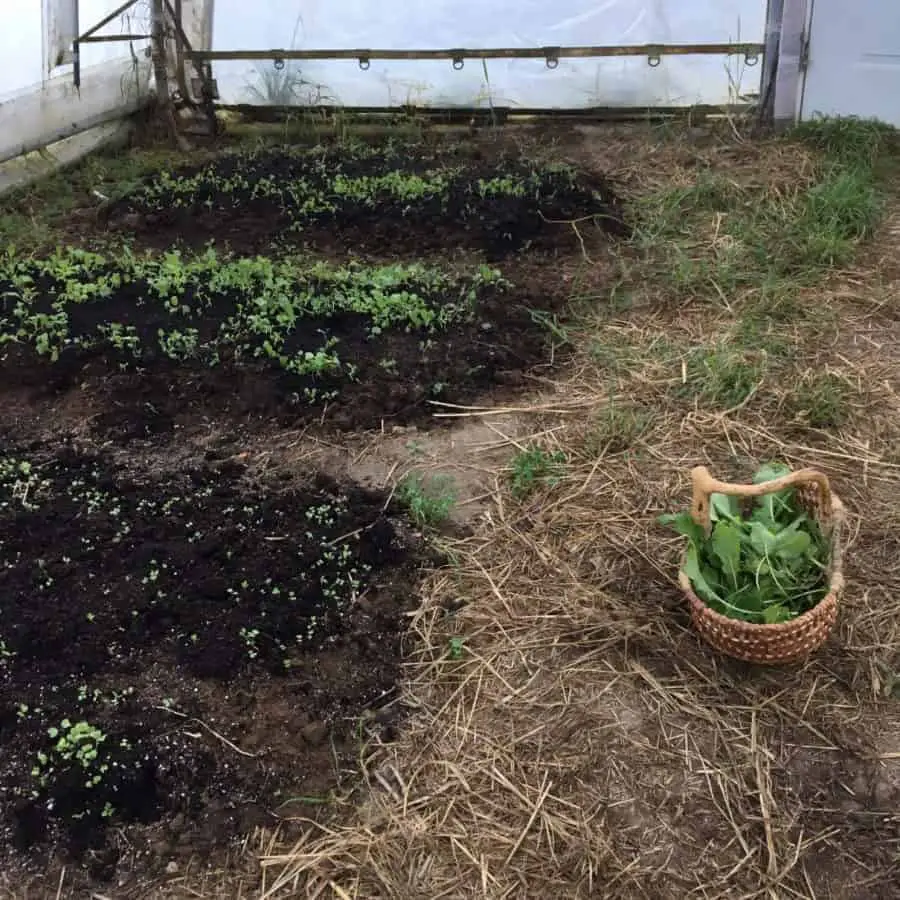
(112, 38)
(464, 115)
(651, 51)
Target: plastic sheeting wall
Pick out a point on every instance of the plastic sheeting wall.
(38, 100)
(22, 40)
(444, 24)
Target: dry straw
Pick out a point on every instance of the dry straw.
(588, 744)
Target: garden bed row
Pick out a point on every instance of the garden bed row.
(184, 648)
(282, 338)
(388, 201)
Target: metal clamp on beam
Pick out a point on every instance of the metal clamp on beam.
(278, 62)
(653, 60)
(459, 59)
(751, 59)
(364, 62)
(551, 57)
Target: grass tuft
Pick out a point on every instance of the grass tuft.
(833, 216)
(822, 400)
(616, 429)
(759, 332)
(849, 141)
(533, 468)
(429, 502)
(722, 376)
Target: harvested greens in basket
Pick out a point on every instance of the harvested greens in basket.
(765, 559)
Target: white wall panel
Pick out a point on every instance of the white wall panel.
(854, 60)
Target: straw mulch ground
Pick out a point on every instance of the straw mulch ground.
(585, 743)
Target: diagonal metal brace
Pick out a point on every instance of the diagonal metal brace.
(76, 44)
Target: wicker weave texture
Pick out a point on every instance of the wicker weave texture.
(785, 642)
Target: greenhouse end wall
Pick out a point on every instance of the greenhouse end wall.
(443, 24)
(39, 102)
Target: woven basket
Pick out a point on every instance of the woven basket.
(783, 642)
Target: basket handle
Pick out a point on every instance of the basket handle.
(704, 485)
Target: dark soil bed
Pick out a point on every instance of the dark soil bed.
(399, 199)
(166, 340)
(184, 659)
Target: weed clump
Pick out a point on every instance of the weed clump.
(722, 376)
(847, 140)
(616, 429)
(430, 501)
(533, 468)
(822, 400)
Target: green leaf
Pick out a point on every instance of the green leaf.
(714, 580)
(764, 513)
(683, 523)
(751, 600)
(699, 582)
(782, 504)
(791, 544)
(726, 545)
(776, 613)
(771, 471)
(721, 506)
(772, 504)
(761, 539)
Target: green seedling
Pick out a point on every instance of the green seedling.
(270, 303)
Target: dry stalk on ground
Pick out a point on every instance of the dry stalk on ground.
(576, 739)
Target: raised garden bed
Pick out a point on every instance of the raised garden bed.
(382, 200)
(185, 656)
(167, 336)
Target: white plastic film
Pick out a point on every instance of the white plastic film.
(38, 106)
(38, 33)
(445, 24)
